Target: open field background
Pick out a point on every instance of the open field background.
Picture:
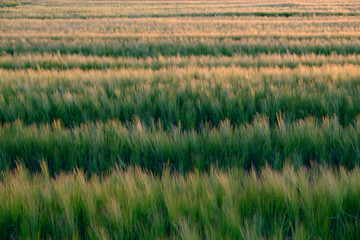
(243, 115)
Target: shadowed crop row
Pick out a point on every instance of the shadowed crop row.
(153, 47)
(97, 147)
(62, 62)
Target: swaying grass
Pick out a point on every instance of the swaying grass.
(62, 62)
(193, 96)
(153, 47)
(132, 204)
(96, 148)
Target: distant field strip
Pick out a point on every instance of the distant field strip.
(76, 61)
(226, 26)
(153, 47)
(155, 9)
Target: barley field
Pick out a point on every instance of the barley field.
(196, 119)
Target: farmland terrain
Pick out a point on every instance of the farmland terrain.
(179, 119)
